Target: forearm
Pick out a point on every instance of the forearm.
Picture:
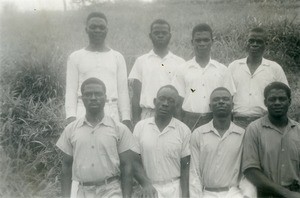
(126, 180)
(264, 184)
(66, 181)
(136, 109)
(184, 176)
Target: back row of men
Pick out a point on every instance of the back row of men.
(197, 81)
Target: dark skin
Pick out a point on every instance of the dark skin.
(96, 28)
(160, 36)
(256, 45)
(94, 98)
(202, 42)
(277, 103)
(165, 106)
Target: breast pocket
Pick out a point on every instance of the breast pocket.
(172, 150)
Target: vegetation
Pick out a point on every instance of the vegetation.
(35, 47)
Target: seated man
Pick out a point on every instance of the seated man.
(97, 150)
(163, 142)
(216, 152)
(271, 156)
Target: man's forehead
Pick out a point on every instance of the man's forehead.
(97, 20)
(220, 93)
(168, 92)
(93, 86)
(257, 35)
(160, 26)
(275, 92)
(202, 34)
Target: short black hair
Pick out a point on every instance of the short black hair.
(277, 85)
(201, 28)
(92, 81)
(259, 30)
(168, 86)
(219, 88)
(161, 22)
(96, 14)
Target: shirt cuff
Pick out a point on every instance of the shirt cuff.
(126, 115)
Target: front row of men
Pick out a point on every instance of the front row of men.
(103, 155)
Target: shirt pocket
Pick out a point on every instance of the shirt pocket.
(172, 150)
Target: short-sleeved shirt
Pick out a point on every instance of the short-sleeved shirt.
(110, 67)
(215, 159)
(95, 150)
(275, 153)
(161, 152)
(195, 84)
(154, 72)
(249, 97)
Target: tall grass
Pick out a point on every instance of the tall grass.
(34, 50)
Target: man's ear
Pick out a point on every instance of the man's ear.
(154, 101)
(210, 106)
(265, 102)
(86, 29)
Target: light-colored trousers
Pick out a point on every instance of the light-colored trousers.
(168, 190)
(234, 192)
(110, 190)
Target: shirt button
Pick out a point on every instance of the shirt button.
(282, 165)
(93, 147)
(250, 94)
(282, 149)
(92, 165)
(203, 96)
(202, 84)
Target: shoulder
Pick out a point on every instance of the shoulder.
(143, 122)
(177, 58)
(236, 63)
(183, 128)
(201, 130)
(77, 53)
(218, 65)
(238, 129)
(271, 63)
(72, 127)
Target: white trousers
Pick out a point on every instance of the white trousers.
(110, 190)
(234, 192)
(168, 190)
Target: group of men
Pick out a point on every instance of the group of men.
(188, 121)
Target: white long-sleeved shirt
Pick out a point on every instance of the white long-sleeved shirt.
(110, 67)
(249, 97)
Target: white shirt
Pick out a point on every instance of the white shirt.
(216, 160)
(195, 84)
(249, 97)
(110, 67)
(154, 72)
(161, 152)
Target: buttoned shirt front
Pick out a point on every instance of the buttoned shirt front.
(216, 160)
(154, 72)
(110, 67)
(95, 150)
(249, 97)
(274, 152)
(161, 152)
(195, 84)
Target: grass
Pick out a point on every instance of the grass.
(34, 51)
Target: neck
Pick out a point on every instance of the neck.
(161, 52)
(202, 60)
(279, 121)
(254, 60)
(222, 124)
(161, 122)
(94, 118)
(99, 47)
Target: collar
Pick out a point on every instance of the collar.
(106, 121)
(171, 124)
(168, 55)
(209, 128)
(193, 63)
(264, 62)
(267, 123)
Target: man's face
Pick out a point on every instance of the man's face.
(160, 35)
(202, 42)
(93, 98)
(165, 102)
(221, 103)
(256, 43)
(277, 103)
(96, 28)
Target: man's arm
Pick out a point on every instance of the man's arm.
(264, 184)
(184, 175)
(66, 175)
(126, 172)
(141, 176)
(136, 109)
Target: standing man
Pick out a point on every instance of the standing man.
(271, 156)
(199, 77)
(160, 64)
(97, 150)
(251, 75)
(99, 61)
(216, 152)
(163, 143)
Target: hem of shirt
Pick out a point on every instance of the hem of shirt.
(250, 166)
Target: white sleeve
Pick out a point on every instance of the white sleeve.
(122, 85)
(71, 88)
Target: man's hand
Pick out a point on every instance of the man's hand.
(148, 192)
(70, 119)
(128, 124)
